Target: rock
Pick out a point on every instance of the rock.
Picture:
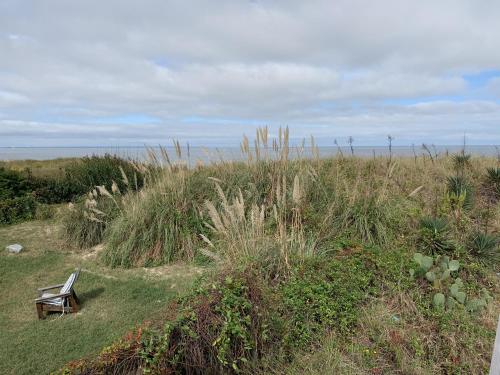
(15, 248)
(395, 318)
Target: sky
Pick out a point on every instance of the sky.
(129, 73)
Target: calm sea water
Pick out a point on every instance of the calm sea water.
(204, 154)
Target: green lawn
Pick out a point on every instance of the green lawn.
(113, 301)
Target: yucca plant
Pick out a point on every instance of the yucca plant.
(460, 194)
(485, 248)
(492, 182)
(434, 236)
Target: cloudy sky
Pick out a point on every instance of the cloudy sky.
(120, 72)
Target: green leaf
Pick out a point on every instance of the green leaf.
(454, 265)
(438, 300)
(427, 263)
(460, 296)
(445, 275)
(443, 262)
(475, 305)
(417, 257)
(430, 276)
(454, 289)
(450, 303)
(412, 272)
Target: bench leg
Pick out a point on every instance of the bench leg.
(73, 303)
(77, 300)
(39, 310)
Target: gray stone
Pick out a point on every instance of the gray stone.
(15, 248)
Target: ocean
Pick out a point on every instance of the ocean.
(210, 154)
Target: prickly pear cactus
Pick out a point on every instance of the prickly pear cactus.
(449, 291)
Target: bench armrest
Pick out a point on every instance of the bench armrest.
(61, 295)
(50, 287)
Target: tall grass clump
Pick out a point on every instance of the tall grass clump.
(85, 221)
(270, 233)
(158, 225)
(360, 203)
(101, 183)
(87, 173)
(181, 209)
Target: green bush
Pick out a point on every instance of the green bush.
(461, 162)
(89, 172)
(17, 209)
(12, 184)
(54, 190)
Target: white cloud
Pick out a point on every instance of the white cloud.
(290, 62)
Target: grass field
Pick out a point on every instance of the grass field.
(113, 301)
(40, 168)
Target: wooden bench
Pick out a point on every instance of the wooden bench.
(64, 301)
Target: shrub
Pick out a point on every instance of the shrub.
(54, 190)
(17, 209)
(89, 172)
(434, 236)
(485, 248)
(12, 184)
(239, 322)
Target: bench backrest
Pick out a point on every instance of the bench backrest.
(69, 283)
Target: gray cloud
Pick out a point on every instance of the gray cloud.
(318, 66)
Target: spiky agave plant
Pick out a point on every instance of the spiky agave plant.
(459, 193)
(434, 236)
(485, 248)
(493, 181)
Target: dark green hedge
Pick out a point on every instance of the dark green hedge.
(12, 184)
(17, 209)
(20, 191)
